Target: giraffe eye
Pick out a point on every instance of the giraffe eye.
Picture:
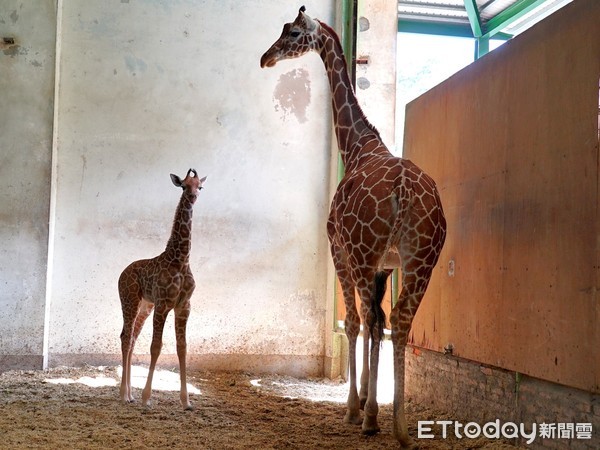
(295, 34)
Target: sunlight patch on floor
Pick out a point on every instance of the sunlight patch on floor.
(95, 382)
(163, 380)
(318, 391)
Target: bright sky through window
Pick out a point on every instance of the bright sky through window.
(424, 61)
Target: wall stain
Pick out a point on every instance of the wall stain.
(292, 94)
(135, 65)
(83, 170)
(15, 50)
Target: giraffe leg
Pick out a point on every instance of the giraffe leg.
(400, 424)
(352, 328)
(400, 328)
(364, 376)
(370, 425)
(144, 311)
(413, 289)
(160, 316)
(181, 318)
(126, 346)
(130, 305)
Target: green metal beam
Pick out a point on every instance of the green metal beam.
(474, 18)
(349, 30)
(482, 46)
(442, 29)
(349, 26)
(395, 286)
(510, 15)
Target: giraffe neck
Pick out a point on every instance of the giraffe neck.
(180, 242)
(352, 129)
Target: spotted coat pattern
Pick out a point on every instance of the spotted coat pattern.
(385, 213)
(162, 284)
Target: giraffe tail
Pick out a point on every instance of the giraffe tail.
(377, 323)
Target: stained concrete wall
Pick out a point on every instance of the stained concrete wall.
(153, 87)
(26, 93)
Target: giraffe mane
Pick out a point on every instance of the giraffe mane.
(338, 44)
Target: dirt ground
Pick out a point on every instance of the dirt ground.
(79, 408)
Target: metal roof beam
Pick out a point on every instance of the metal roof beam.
(436, 28)
(473, 15)
(441, 29)
(510, 15)
(430, 6)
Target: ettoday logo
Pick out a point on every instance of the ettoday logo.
(507, 430)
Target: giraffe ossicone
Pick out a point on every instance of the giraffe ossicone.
(162, 284)
(386, 211)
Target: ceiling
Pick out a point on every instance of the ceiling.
(480, 19)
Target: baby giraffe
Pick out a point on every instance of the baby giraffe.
(162, 283)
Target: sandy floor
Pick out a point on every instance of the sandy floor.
(79, 408)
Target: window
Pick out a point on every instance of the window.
(425, 60)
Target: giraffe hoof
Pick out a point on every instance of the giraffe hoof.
(369, 426)
(406, 442)
(409, 445)
(188, 408)
(370, 431)
(353, 418)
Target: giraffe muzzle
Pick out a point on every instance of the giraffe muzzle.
(268, 59)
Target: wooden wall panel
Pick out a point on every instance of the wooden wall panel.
(512, 141)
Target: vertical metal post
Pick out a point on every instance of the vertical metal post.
(348, 38)
(349, 24)
(482, 46)
(349, 8)
(395, 283)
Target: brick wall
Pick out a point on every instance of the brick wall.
(469, 391)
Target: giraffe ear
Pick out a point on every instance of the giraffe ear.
(310, 23)
(176, 180)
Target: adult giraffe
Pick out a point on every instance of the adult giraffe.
(385, 213)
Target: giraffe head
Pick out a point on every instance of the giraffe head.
(191, 184)
(297, 38)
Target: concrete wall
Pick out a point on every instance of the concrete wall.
(153, 87)
(376, 63)
(26, 112)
